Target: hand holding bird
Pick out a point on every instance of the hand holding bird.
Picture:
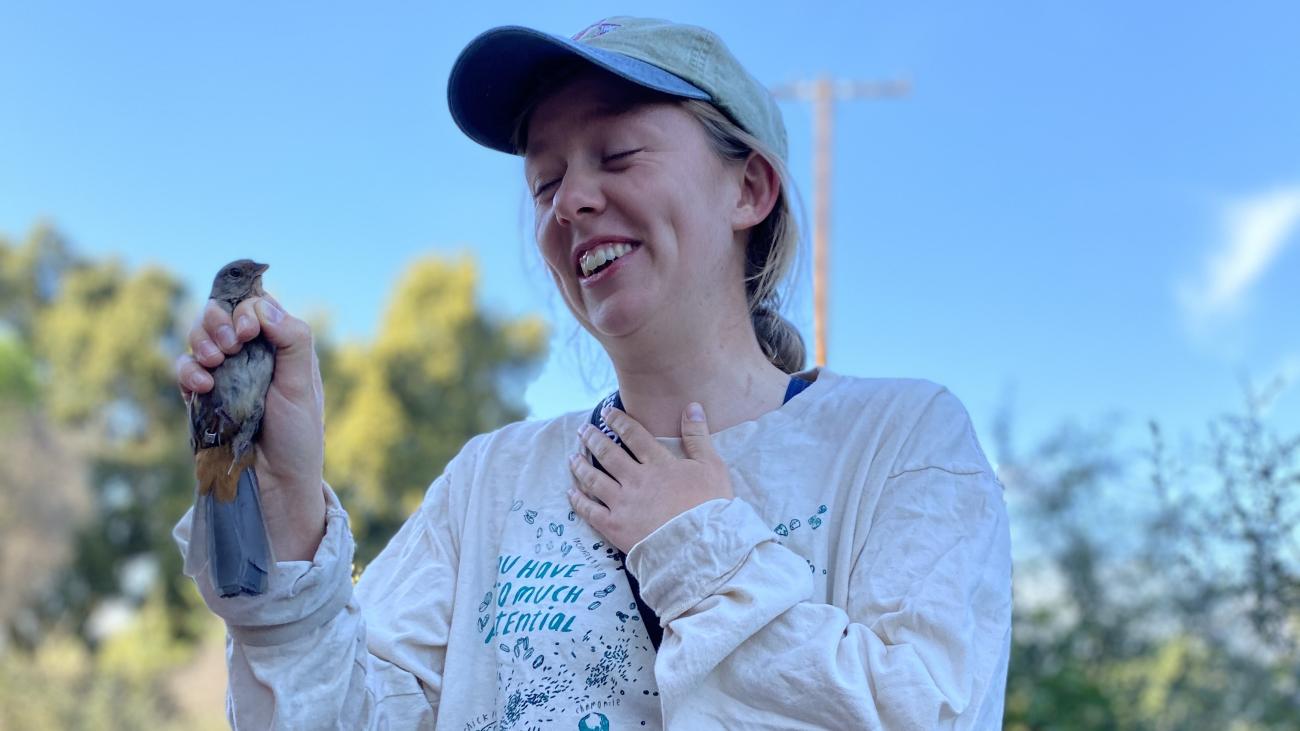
(288, 457)
(225, 421)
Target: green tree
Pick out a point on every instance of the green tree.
(18, 382)
(1154, 600)
(29, 276)
(95, 467)
(106, 342)
(90, 349)
(44, 499)
(85, 371)
(439, 371)
(125, 684)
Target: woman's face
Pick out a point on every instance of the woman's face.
(638, 184)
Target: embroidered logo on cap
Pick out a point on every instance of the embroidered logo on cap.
(595, 30)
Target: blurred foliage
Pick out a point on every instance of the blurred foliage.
(29, 276)
(1251, 509)
(439, 371)
(44, 498)
(87, 366)
(97, 621)
(125, 684)
(1156, 599)
(18, 384)
(1153, 591)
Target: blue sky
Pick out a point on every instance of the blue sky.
(1089, 208)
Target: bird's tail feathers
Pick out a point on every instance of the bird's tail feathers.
(218, 471)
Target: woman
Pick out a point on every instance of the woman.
(765, 550)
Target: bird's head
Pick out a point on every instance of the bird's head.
(238, 281)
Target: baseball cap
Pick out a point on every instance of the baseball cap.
(493, 79)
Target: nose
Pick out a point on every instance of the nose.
(579, 194)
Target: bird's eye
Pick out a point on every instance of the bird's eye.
(236, 273)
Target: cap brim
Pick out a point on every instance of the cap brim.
(496, 75)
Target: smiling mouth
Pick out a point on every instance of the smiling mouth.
(601, 257)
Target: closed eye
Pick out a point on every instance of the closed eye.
(605, 160)
(545, 187)
(620, 155)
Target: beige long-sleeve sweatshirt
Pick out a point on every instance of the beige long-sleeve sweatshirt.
(860, 579)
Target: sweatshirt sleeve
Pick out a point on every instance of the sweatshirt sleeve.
(921, 643)
(303, 654)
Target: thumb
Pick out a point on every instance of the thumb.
(292, 339)
(696, 441)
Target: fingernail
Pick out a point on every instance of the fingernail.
(199, 380)
(604, 410)
(269, 311)
(244, 324)
(207, 350)
(226, 336)
(695, 412)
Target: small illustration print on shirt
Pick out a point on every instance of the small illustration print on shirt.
(787, 528)
(562, 622)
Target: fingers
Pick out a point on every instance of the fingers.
(283, 330)
(593, 512)
(220, 333)
(642, 443)
(295, 357)
(203, 343)
(611, 456)
(191, 376)
(591, 481)
(247, 325)
(696, 441)
(204, 350)
(219, 327)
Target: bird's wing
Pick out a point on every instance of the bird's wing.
(210, 425)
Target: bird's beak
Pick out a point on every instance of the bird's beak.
(257, 278)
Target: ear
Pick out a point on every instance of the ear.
(759, 188)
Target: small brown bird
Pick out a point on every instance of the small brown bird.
(224, 424)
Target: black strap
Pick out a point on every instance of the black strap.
(648, 616)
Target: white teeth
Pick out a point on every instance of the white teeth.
(592, 260)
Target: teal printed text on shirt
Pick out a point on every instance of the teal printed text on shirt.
(527, 597)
